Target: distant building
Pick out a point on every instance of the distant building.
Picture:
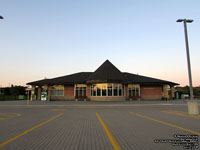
(106, 83)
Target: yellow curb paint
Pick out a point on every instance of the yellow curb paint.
(29, 130)
(165, 123)
(110, 137)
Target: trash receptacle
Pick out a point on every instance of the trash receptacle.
(176, 95)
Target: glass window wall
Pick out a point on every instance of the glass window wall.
(107, 89)
(80, 90)
(133, 90)
(57, 90)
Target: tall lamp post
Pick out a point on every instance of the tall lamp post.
(185, 21)
(192, 106)
(0, 85)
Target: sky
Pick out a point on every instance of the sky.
(47, 38)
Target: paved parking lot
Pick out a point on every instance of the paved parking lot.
(96, 126)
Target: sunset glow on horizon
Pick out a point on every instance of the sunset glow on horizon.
(48, 39)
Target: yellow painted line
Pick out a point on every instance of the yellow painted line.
(29, 130)
(165, 123)
(181, 113)
(7, 116)
(16, 115)
(110, 137)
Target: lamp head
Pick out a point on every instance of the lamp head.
(179, 20)
(185, 20)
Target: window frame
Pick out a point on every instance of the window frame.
(79, 89)
(56, 89)
(134, 90)
(108, 88)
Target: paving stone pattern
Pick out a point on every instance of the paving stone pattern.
(79, 128)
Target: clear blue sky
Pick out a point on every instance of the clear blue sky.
(48, 38)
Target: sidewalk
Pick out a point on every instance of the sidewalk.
(104, 103)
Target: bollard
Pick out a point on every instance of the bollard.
(193, 108)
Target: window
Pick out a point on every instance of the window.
(57, 90)
(107, 89)
(115, 89)
(93, 90)
(84, 91)
(120, 89)
(98, 89)
(133, 90)
(80, 90)
(104, 89)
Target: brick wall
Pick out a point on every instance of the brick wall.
(151, 92)
(88, 91)
(62, 97)
(68, 93)
(69, 90)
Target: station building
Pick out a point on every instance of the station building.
(107, 83)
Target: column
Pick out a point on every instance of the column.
(33, 93)
(39, 93)
(165, 91)
(48, 93)
(172, 92)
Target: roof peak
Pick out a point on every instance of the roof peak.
(106, 65)
(105, 73)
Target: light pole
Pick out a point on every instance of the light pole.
(0, 85)
(185, 21)
(192, 105)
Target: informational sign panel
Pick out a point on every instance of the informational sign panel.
(44, 96)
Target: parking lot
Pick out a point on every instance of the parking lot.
(97, 126)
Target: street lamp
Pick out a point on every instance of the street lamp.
(192, 105)
(0, 85)
(185, 21)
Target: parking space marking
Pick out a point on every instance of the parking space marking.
(110, 136)
(10, 115)
(29, 130)
(181, 113)
(165, 123)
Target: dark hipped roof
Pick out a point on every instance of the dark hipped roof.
(39, 82)
(68, 79)
(106, 73)
(142, 80)
(72, 79)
